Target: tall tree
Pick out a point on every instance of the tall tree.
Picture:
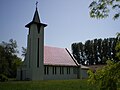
(8, 58)
(75, 52)
(95, 44)
(117, 48)
(81, 52)
(95, 51)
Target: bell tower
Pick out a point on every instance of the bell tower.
(35, 48)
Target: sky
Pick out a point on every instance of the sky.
(68, 22)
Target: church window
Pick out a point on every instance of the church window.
(54, 70)
(61, 70)
(46, 70)
(68, 70)
(38, 54)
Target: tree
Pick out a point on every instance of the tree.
(89, 51)
(75, 52)
(3, 63)
(102, 8)
(8, 58)
(117, 48)
(96, 51)
(24, 51)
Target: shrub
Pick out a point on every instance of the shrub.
(107, 77)
(3, 78)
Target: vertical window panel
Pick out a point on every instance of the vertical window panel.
(38, 54)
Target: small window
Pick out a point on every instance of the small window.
(68, 70)
(46, 70)
(54, 70)
(61, 70)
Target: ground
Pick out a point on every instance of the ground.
(48, 85)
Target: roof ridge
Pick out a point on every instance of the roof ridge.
(72, 57)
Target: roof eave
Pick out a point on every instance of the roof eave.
(60, 65)
(39, 24)
(72, 57)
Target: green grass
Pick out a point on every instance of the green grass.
(47, 85)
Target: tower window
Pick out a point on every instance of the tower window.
(38, 27)
(38, 54)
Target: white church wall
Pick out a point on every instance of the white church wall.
(59, 75)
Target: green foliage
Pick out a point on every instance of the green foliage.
(107, 77)
(8, 58)
(102, 8)
(24, 51)
(3, 78)
(117, 48)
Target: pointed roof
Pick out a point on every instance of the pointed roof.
(58, 57)
(36, 17)
(36, 20)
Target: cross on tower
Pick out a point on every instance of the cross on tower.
(36, 3)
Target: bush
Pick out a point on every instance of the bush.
(3, 78)
(107, 77)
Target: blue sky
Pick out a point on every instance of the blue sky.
(68, 22)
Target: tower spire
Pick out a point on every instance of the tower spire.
(36, 15)
(36, 18)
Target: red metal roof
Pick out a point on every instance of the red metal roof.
(57, 56)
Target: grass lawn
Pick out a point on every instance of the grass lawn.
(47, 85)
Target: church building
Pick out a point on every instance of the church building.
(45, 62)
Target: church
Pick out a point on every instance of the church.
(45, 62)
